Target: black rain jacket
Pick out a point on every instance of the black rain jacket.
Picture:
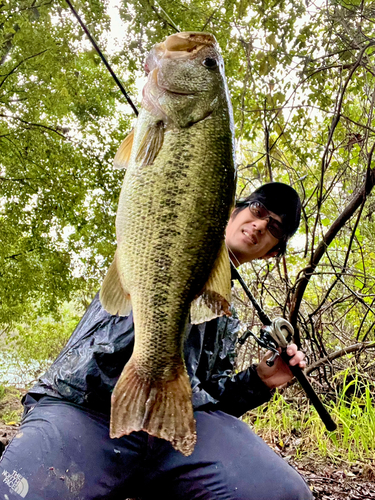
(88, 368)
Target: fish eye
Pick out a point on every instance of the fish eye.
(210, 63)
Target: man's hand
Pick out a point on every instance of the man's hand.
(279, 374)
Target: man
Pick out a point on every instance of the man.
(63, 450)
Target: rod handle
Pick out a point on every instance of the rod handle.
(307, 387)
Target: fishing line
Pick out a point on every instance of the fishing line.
(92, 40)
(168, 17)
(236, 275)
(262, 315)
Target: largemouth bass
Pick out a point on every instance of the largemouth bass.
(174, 205)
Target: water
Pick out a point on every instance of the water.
(15, 372)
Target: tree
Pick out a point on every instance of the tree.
(301, 78)
(58, 135)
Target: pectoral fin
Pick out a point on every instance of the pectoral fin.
(216, 295)
(122, 157)
(151, 144)
(113, 297)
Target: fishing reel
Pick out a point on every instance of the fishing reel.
(271, 337)
(275, 335)
(278, 334)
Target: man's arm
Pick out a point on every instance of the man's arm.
(250, 388)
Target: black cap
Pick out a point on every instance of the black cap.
(282, 200)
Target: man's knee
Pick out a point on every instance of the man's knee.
(293, 487)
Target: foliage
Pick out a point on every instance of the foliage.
(32, 345)
(10, 407)
(301, 76)
(42, 338)
(353, 440)
(58, 190)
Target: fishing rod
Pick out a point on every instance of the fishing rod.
(96, 47)
(277, 334)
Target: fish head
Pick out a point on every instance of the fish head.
(186, 80)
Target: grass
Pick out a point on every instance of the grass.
(296, 421)
(10, 405)
(292, 424)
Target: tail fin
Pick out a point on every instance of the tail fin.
(161, 408)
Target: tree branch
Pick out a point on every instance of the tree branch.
(338, 224)
(267, 144)
(326, 157)
(19, 64)
(33, 124)
(361, 346)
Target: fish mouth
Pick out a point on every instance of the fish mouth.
(183, 45)
(176, 92)
(163, 89)
(188, 42)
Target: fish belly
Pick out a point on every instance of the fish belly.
(170, 227)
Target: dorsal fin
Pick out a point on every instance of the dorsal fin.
(122, 156)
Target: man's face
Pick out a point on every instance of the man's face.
(248, 238)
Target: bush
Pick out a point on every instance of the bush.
(31, 346)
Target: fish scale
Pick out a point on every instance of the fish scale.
(173, 209)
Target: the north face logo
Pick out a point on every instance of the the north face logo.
(16, 482)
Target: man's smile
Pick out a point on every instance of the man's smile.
(250, 237)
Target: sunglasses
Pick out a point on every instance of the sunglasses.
(260, 212)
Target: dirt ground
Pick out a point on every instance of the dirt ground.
(330, 480)
(327, 481)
